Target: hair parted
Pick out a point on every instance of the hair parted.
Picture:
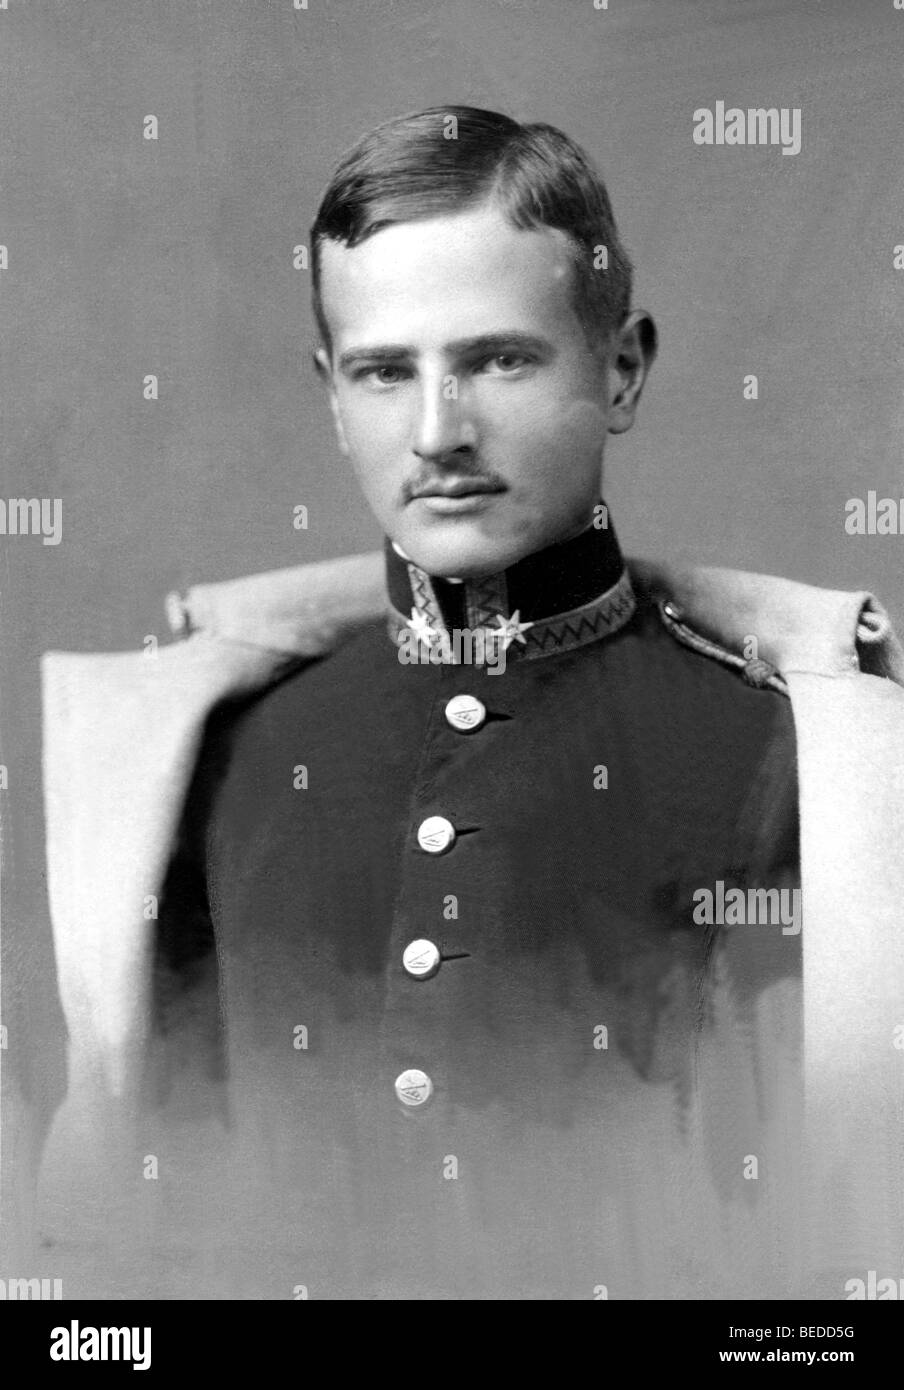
(447, 158)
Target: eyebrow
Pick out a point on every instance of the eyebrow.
(484, 342)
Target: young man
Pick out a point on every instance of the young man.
(500, 907)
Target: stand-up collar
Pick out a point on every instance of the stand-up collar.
(548, 602)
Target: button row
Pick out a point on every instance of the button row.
(435, 835)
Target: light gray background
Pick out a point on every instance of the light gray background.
(175, 257)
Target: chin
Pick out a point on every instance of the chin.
(464, 556)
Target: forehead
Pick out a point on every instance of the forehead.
(448, 278)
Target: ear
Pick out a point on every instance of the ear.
(324, 369)
(632, 354)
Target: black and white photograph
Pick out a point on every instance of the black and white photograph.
(451, 676)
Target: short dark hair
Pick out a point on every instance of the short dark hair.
(448, 157)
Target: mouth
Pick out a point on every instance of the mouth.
(455, 495)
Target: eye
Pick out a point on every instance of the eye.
(384, 374)
(507, 363)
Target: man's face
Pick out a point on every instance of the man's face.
(465, 392)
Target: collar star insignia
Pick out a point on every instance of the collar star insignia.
(419, 624)
(510, 630)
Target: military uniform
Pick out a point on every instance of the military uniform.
(472, 1041)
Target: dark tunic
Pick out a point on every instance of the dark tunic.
(564, 1147)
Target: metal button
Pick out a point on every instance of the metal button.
(465, 713)
(435, 834)
(413, 1087)
(421, 959)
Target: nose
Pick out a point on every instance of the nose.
(444, 425)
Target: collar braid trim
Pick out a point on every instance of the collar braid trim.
(562, 632)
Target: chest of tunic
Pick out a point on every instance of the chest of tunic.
(457, 956)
